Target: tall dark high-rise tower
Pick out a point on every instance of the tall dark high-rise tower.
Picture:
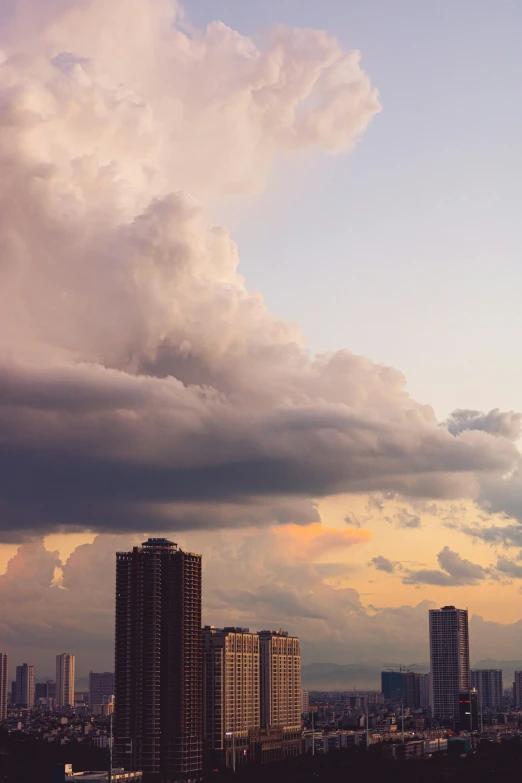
(449, 655)
(158, 661)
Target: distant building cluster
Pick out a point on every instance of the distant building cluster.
(183, 698)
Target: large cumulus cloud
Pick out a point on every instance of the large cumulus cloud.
(142, 385)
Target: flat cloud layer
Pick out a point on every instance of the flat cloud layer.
(142, 385)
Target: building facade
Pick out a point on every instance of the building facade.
(231, 703)
(393, 686)
(425, 691)
(449, 657)
(65, 673)
(3, 685)
(280, 680)
(305, 703)
(468, 710)
(416, 690)
(517, 690)
(45, 693)
(158, 661)
(101, 688)
(24, 686)
(488, 683)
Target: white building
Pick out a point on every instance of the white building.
(449, 656)
(65, 665)
(305, 702)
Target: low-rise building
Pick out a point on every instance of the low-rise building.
(118, 774)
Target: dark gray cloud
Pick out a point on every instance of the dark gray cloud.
(455, 571)
(128, 465)
(505, 424)
(498, 535)
(383, 564)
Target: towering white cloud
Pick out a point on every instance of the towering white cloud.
(140, 378)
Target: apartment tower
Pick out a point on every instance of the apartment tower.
(280, 664)
(488, 683)
(416, 690)
(101, 686)
(158, 661)
(231, 704)
(65, 669)
(517, 690)
(449, 656)
(24, 695)
(3, 686)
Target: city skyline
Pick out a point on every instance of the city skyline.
(342, 453)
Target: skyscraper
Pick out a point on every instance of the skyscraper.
(488, 683)
(158, 661)
(65, 666)
(449, 655)
(424, 691)
(517, 690)
(231, 707)
(468, 710)
(416, 690)
(280, 661)
(25, 686)
(3, 686)
(393, 686)
(46, 691)
(101, 684)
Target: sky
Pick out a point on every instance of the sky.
(259, 294)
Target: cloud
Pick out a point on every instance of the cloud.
(352, 520)
(509, 567)
(253, 577)
(504, 424)
(507, 535)
(405, 519)
(383, 564)
(143, 386)
(456, 571)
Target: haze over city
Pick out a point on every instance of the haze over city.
(259, 295)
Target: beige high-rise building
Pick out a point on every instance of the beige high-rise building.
(3, 686)
(65, 664)
(231, 704)
(280, 657)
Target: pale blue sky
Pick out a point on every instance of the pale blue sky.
(408, 250)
